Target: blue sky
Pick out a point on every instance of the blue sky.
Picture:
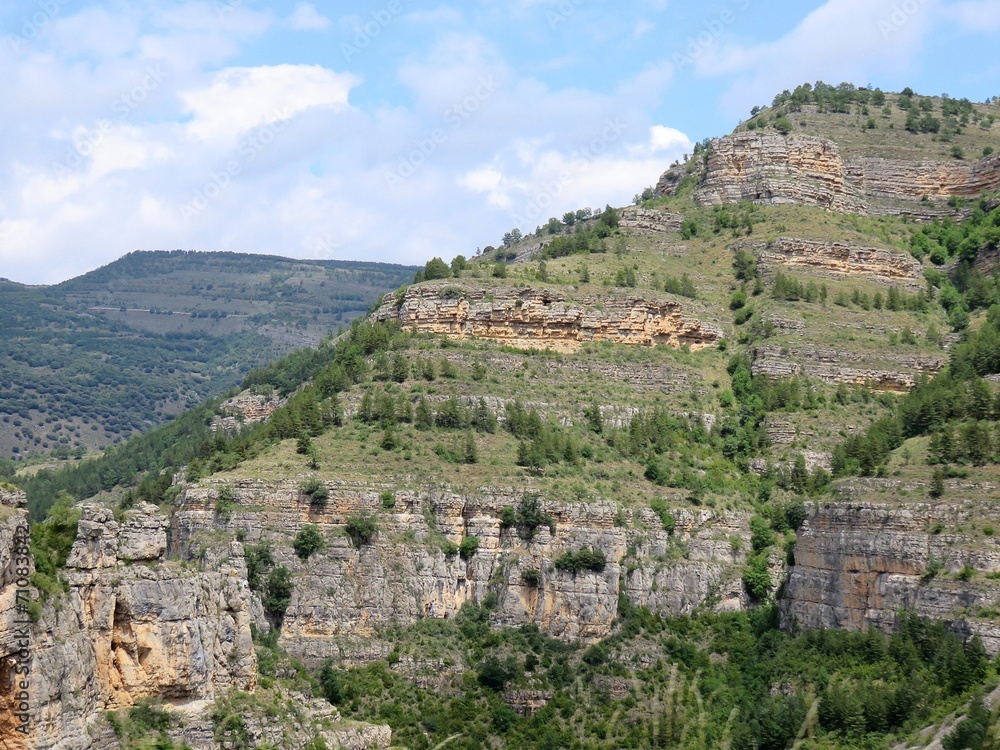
(397, 130)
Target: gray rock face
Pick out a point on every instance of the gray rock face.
(125, 631)
(345, 594)
(859, 564)
(772, 169)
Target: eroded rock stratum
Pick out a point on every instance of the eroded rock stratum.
(542, 319)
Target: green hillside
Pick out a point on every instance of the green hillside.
(90, 361)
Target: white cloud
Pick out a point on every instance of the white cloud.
(842, 40)
(239, 99)
(978, 16)
(305, 17)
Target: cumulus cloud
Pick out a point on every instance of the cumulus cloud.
(238, 99)
(842, 40)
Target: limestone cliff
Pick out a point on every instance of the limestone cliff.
(772, 169)
(538, 318)
(841, 260)
(859, 563)
(880, 371)
(347, 592)
(15, 633)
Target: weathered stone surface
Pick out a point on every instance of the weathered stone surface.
(125, 631)
(247, 408)
(838, 259)
(772, 169)
(345, 594)
(835, 366)
(650, 220)
(15, 635)
(860, 564)
(540, 318)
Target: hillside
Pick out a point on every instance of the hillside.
(719, 470)
(88, 362)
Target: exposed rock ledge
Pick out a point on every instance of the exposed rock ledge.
(541, 318)
(874, 263)
(773, 169)
(898, 373)
(859, 564)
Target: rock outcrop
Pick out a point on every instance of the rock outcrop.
(650, 220)
(132, 625)
(348, 592)
(838, 259)
(772, 169)
(16, 568)
(896, 373)
(861, 563)
(539, 318)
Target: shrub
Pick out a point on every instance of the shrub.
(388, 500)
(277, 592)
(531, 576)
(225, 502)
(757, 577)
(308, 541)
(316, 490)
(361, 528)
(468, 547)
(586, 558)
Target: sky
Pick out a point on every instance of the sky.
(399, 130)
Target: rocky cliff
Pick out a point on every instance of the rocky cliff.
(841, 260)
(860, 563)
(347, 593)
(880, 371)
(772, 169)
(537, 318)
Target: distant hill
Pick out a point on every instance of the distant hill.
(90, 361)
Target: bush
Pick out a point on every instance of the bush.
(468, 547)
(308, 541)
(277, 592)
(757, 577)
(388, 500)
(586, 558)
(315, 489)
(361, 528)
(531, 576)
(225, 502)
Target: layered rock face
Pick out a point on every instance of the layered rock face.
(650, 220)
(15, 635)
(859, 564)
(134, 625)
(897, 373)
(838, 259)
(540, 319)
(346, 592)
(773, 169)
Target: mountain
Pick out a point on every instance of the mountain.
(718, 470)
(88, 362)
